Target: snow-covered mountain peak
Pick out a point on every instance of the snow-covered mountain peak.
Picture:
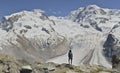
(34, 12)
(23, 19)
(31, 32)
(86, 11)
(38, 11)
(102, 19)
(22, 13)
(92, 6)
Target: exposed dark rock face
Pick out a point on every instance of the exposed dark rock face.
(109, 44)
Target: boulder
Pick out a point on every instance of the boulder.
(26, 69)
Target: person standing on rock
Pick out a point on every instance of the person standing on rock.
(70, 57)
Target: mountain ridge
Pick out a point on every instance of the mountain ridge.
(32, 35)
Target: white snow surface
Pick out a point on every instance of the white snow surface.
(86, 44)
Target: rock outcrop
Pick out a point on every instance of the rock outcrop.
(11, 65)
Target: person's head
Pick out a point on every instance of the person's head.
(70, 51)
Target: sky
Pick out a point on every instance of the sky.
(52, 7)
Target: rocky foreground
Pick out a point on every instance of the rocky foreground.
(11, 65)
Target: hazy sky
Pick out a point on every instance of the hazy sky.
(52, 7)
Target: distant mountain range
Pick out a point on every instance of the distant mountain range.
(33, 36)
